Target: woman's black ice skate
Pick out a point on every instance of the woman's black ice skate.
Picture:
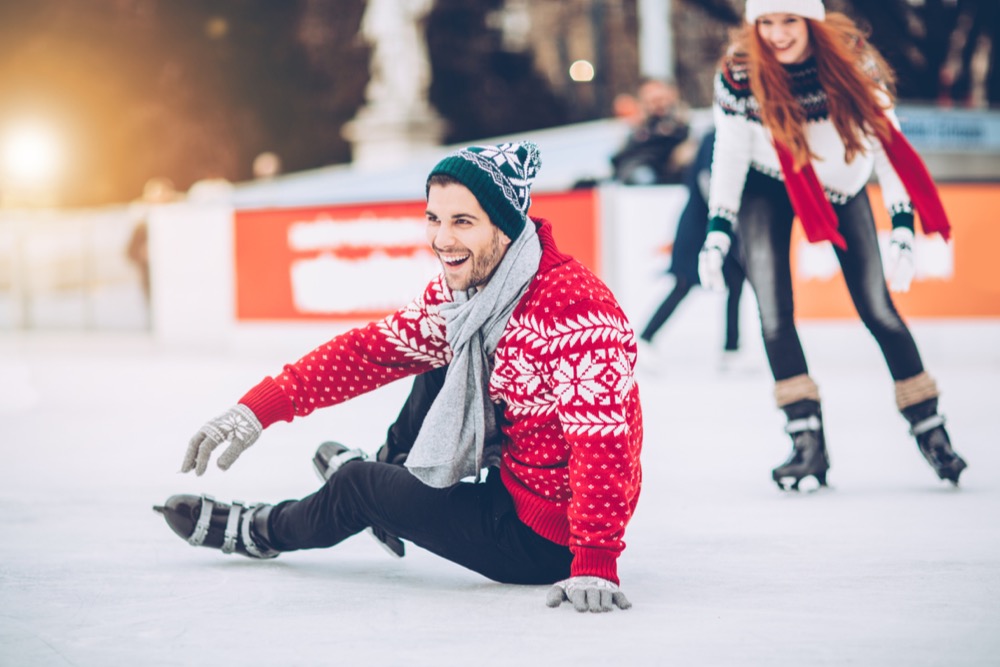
(927, 426)
(935, 445)
(327, 460)
(205, 522)
(808, 457)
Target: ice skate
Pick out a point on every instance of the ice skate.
(927, 426)
(327, 460)
(205, 522)
(808, 457)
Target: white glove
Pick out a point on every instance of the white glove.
(587, 594)
(710, 259)
(899, 263)
(238, 425)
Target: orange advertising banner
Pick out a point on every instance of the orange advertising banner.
(359, 262)
(954, 279)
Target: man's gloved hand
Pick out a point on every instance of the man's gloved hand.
(710, 259)
(587, 594)
(900, 266)
(238, 426)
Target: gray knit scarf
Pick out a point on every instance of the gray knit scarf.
(461, 421)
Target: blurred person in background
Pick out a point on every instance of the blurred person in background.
(803, 115)
(650, 155)
(692, 227)
(525, 366)
(159, 190)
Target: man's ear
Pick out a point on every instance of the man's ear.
(504, 239)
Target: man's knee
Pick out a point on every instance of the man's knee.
(355, 479)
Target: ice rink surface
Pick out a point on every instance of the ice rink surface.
(888, 567)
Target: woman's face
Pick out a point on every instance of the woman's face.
(787, 35)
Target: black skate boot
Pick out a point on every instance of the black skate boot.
(205, 522)
(927, 426)
(808, 457)
(329, 457)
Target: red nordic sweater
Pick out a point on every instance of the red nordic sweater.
(564, 372)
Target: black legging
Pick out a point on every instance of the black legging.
(765, 229)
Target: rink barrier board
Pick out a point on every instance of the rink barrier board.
(957, 279)
(954, 279)
(359, 262)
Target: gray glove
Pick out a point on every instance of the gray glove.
(238, 426)
(587, 594)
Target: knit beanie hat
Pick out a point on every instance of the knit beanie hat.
(810, 9)
(500, 177)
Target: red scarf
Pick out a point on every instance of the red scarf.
(816, 213)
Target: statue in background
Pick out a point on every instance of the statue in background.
(399, 66)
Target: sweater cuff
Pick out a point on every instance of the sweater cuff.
(902, 219)
(269, 403)
(589, 562)
(717, 223)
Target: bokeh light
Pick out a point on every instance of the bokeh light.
(31, 154)
(581, 70)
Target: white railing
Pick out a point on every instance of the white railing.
(70, 269)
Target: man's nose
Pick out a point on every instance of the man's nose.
(445, 237)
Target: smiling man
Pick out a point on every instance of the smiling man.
(524, 367)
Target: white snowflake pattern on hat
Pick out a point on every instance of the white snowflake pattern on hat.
(514, 180)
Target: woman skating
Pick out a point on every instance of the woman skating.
(803, 114)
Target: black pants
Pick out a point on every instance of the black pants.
(765, 228)
(474, 525)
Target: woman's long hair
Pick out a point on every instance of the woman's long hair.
(858, 82)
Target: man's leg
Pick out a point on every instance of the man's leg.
(473, 525)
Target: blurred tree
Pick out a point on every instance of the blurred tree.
(184, 89)
(480, 88)
(701, 30)
(194, 89)
(934, 46)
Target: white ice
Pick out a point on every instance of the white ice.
(888, 567)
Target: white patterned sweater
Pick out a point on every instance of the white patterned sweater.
(564, 372)
(742, 143)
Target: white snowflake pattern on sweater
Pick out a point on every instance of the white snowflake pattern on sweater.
(743, 143)
(564, 372)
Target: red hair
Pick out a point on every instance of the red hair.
(857, 81)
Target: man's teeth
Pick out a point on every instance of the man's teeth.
(454, 260)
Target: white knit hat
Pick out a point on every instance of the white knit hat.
(810, 9)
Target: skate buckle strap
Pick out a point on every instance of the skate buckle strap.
(232, 527)
(340, 459)
(925, 425)
(201, 528)
(248, 542)
(810, 423)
